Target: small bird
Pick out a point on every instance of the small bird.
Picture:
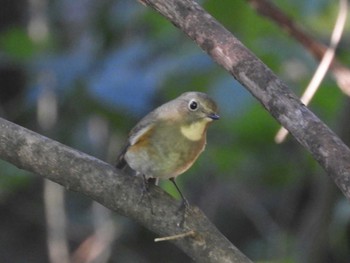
(168, 140)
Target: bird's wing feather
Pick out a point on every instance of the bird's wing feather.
(136, 134)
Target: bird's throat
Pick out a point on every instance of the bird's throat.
(194, 131)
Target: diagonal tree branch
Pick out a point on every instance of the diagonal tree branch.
(100, 181)
(331, 153)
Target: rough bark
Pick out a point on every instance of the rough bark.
(121, 193)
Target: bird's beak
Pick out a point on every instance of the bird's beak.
(213, 116)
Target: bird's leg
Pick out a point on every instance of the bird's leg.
(153, 181)
(184, 200)
(145, 190)
(184, 203)
(145, 185)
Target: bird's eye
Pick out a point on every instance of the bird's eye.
(193, 105)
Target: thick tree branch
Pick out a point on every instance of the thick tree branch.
(331, 153)
(79, 172)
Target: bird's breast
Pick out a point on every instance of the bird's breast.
(167, 151)
(194, 131)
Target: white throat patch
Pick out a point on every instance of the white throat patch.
(194, 131)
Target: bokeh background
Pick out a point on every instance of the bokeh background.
(83, 72)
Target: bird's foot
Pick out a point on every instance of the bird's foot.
(145, 191)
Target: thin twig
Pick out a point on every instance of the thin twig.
(323, 66)
(183, 235)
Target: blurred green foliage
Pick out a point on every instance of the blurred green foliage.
(16, 43)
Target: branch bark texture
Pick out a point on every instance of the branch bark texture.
(331, 153)
(121, 193)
